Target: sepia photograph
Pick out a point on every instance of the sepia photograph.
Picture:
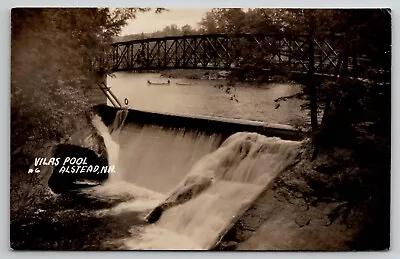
(223, 129)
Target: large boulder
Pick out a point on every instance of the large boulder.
(68, 173)
(189, 189)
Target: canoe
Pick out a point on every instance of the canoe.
(158, 84)
(152, 83)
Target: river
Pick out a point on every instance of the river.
(208, 97)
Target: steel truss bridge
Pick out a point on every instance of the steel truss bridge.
(299, 54)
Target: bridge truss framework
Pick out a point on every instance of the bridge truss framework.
(299, 54)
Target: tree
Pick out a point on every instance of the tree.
(209, 23)
(365, 52)
(172, 30)
(230, 20)
(55, 61)
(187, 30)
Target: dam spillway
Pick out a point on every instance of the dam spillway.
(203, 176)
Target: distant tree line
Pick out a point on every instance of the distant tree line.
(169, 30)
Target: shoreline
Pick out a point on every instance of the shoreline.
(231, 77)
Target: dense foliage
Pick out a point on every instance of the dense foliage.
(55, 63)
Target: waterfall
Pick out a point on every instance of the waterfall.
(218, 189)
(158, 158)
(115, 187)
(111, 141)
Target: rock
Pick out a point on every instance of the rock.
(191, 188)
(327, 169)
(63, 182)
(304, 207)
(155, 215)
(302, 220)
(228, 246)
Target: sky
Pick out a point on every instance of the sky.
(151, 22)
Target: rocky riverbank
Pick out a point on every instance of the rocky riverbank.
(330, 203)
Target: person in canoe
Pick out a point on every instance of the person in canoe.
(151, 83)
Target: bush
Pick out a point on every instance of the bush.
(355, 113)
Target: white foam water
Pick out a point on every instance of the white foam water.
(239, 170)
(115, 188)
(111, 145)
(166, 240)
(158, 158)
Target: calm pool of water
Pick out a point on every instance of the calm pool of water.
(207, 97)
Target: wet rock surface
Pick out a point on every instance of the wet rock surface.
(305, 208)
